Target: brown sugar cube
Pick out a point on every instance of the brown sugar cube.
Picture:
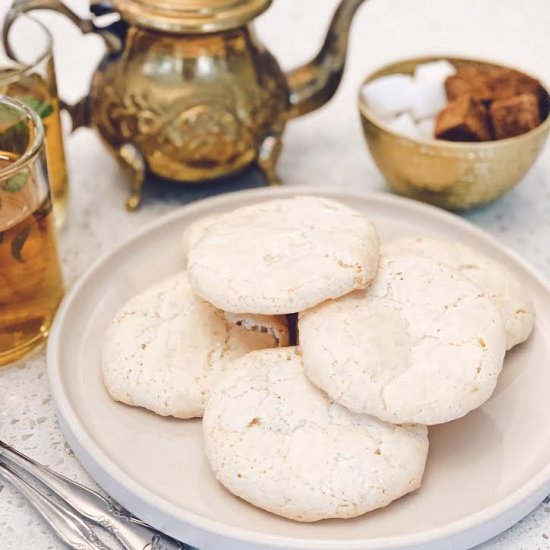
(515, 115)
(509, 83)
(468, 81)
(464, 119)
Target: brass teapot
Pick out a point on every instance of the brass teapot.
(186, 90)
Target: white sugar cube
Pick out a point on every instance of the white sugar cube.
(428, 99)
(404, 125)
(389, 95)
(426, 128)
(437, 71)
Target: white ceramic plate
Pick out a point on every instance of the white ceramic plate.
(484, 471)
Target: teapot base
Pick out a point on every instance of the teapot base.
(135, 167)
(268, 155)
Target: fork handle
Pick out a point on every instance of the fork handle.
(68, 527)
(135, 535)
(132, 533)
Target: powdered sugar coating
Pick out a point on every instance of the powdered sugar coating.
(423, 344)
(502, 286)
(166, 348)
(284, 255)
(278, 442)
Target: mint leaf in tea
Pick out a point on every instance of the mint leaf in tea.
(33, 90)
(43, 108)
(17, 182)
(30, 278)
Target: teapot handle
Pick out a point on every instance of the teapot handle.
(113, 35)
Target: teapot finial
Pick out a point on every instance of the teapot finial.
(313, 84)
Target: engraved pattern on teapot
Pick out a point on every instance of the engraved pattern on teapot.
(198, 134)
(202, 115)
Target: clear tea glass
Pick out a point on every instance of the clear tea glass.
(27, 73)
(31, 284)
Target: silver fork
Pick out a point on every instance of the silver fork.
(81, 502)
(67, 525)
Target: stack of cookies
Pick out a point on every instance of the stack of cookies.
(322, 414)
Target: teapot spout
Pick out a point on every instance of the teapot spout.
(313, 84)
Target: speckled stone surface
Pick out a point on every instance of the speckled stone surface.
(325, 149)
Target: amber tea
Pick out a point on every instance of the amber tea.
(30, 78)
(31, 284)
(33, 91)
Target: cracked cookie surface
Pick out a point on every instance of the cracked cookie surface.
(278, 442)
(283, 256)
(502, 286)
(166, 347)
(422, 344)
(195, 231)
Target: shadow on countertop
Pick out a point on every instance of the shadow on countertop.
(161, 190)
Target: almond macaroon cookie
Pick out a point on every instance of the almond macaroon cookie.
(195, 231)
(502, 286)
(278, 442)
(166, 348)
(283, 255)
(424, 344)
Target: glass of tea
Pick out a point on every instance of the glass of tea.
(27, 73)
(31, 284)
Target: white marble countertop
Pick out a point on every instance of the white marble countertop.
(325, 149)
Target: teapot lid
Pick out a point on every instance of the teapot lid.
(190, 16)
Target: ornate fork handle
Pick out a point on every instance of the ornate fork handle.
(65, 523)
(131, 532)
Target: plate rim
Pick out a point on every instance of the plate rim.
(500, 515)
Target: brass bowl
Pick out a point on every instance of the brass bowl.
(452, 175)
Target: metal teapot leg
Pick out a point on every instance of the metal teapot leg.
(134, 165)
(268, 154)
